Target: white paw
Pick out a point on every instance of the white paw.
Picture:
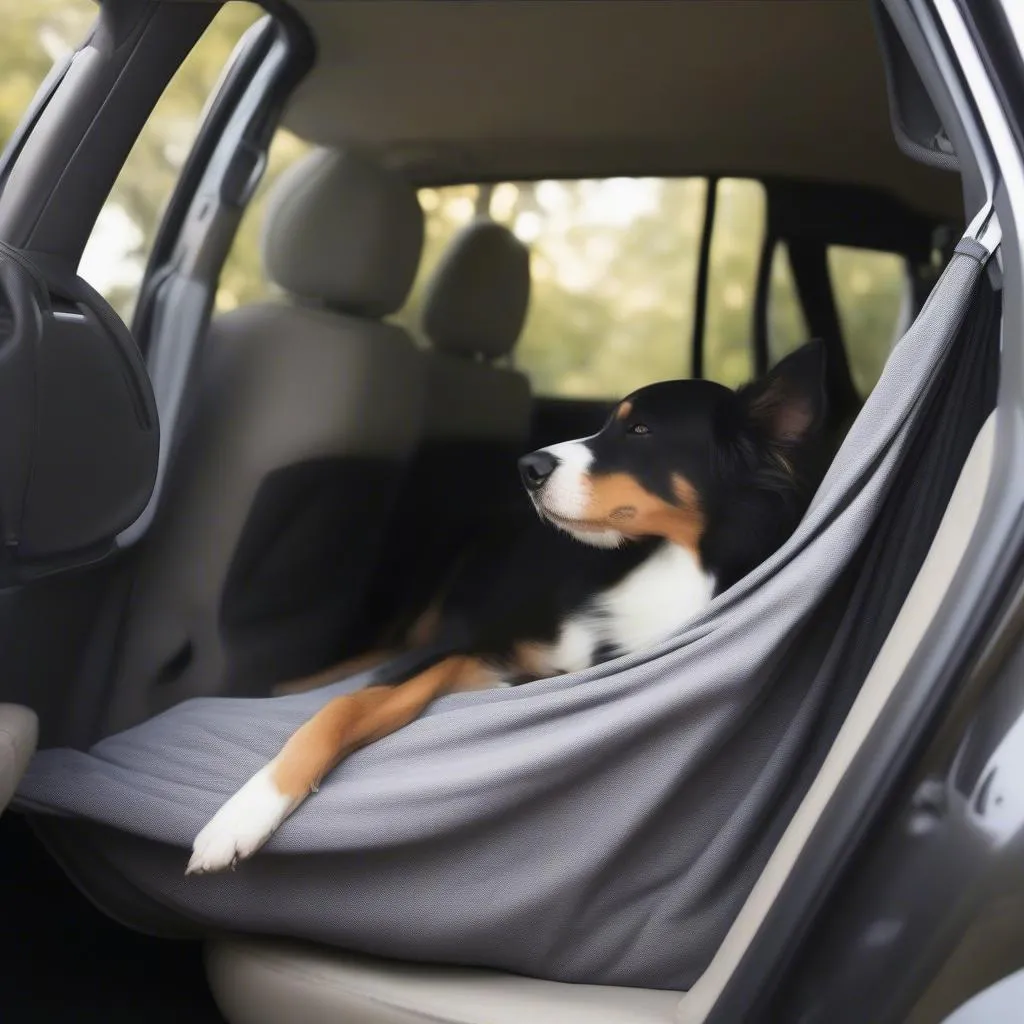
(241, 826)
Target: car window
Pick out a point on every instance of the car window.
(613, 263)
(872, 291)
(787, 324)
(736, 240)
(115, 257)
(242, 280)
(36, 35)
(614, 272)
(872, 294)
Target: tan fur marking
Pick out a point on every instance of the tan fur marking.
(530, 659)
(624, 410)
(681, 522)
(347, 723)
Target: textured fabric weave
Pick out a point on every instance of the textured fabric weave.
(603, 826)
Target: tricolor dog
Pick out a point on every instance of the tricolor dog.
(621, 539)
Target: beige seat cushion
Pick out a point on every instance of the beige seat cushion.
(260, 981)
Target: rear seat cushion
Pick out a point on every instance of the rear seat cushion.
(264, 981)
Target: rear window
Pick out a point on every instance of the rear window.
(873, 300)
(614, 265)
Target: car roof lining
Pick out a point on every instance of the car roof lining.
(449, 91)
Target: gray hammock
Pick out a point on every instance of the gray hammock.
(599, 827)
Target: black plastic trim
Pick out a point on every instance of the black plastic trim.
(283, 25)
(700, 301)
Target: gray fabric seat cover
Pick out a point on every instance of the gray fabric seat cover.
(304, 416)
(601, 827)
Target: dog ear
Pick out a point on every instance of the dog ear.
(789, 404)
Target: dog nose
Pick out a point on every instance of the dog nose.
(535, 468)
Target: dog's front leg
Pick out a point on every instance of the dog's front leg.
(250, 817)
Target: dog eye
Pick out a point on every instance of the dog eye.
(639, 428)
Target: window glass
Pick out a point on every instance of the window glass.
(35, 36)
(787, 325)
(614, 267)
(242, 280)
(613, 263)
(872, 291)
(115, 257)
(736, 241)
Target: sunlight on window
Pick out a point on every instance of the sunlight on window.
(242, 280)
(503, 201)
(613, 266)
(36, 35)
(872, 292)
(735, 251)
(460, 210)
(787, 325)
(527, 226)
(109, 263)
(115, 257)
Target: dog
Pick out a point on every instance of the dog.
(621, 539)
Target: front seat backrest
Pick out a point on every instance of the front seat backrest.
(305, 412)
(478, 412)
(477, 417)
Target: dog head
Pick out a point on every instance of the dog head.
(687, 459)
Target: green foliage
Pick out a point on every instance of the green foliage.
(614, 263)
(39, 32)
(35, 33)
(242, 280)
(612, 303)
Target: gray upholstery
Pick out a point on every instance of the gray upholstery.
(603, 826)
(478, 297)
(302, 423)
(254, 979)
(343, 231)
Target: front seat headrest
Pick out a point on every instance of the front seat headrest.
(344, 231)
(477, 298)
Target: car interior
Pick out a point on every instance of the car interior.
(311, 459)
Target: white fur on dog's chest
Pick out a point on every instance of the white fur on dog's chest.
(654, 601)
